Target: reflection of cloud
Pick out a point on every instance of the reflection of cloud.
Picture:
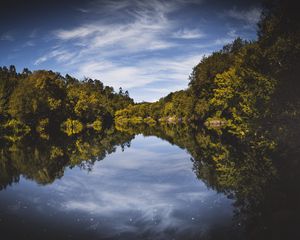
(110, 201)
(146, 188)
(155, 194)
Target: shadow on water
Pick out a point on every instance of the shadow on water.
(259, 176)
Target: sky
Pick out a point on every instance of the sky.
(146, 47)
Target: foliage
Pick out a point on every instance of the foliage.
(248, 94)
(97, 125)
(242, 87)
(44, 160)
(71, 126)
(45, 100)
(15, 129)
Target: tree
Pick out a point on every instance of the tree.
(38, 96)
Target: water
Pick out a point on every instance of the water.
(148, 191)
(164, 184)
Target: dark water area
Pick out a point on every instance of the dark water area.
(162, 184)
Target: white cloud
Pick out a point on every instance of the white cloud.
(131, 52)
(251, 16)
(115, 75)
(78, 32)
(188, 34)
(145, 32)
(173, 72)
(59, 55)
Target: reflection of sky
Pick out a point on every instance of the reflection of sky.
(148, 190)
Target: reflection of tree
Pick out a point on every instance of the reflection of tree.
(45, 160)
(258, 174)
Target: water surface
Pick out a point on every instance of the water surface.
(170, 182)
(147, 191)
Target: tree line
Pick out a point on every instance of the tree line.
(45, 160)
(41, 101)
(242, 88)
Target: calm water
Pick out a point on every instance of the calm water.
(148, 191)
(125, 186)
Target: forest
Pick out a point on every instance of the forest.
(246, 88)
(238, 119)
(45, 101)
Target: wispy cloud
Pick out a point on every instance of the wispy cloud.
(144, 31)
(29, 43)
(137, 45)
(79, 32)
(173, 72)
(7, 37)
(83, 10)
(188, 34)
(250, 16)
(129, 53)
(59, 55)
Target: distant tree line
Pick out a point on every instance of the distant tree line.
(43, 100)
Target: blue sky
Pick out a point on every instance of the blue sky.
(146, 47)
